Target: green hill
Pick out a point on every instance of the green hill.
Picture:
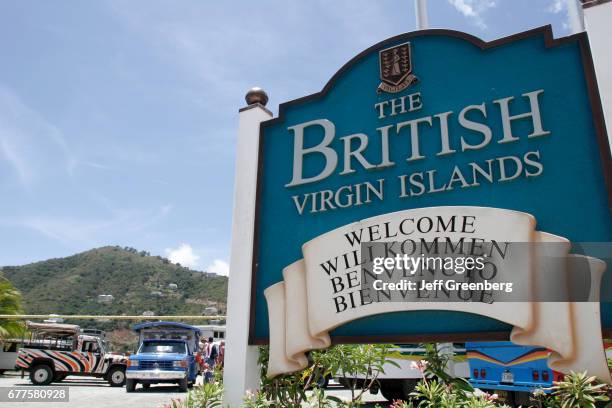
(137, 282)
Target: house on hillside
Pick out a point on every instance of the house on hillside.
(54, 318)
(210, 311)
(106, 298)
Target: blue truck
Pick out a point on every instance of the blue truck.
(167, 353)
(510, 370)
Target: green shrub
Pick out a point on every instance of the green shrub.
(436, 390)
(289, 390)
(256, 400)
(578, 390)
(209, 395)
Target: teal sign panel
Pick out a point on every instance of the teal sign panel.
(435, 118)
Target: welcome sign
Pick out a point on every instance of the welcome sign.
(302, 315)
(439, 122)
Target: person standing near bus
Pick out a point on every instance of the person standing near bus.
(221, 355)
(211, 353)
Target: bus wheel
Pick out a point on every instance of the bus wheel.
(408, 387)
(41, 374)
(391, 393)
(397, 389)
(391, 390)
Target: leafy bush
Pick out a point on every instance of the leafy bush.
(209, 395)
(437, 389)
(435, 394)
(578, 390)
(365, 361)
(256, 400)
(10, 304)
(400, 404)
(318, 399)
(286, 391)
(541, 399)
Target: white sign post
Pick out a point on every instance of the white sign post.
(597, 17)
(241, 372)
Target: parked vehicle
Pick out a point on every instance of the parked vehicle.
(8, 354)
(399, 382)
(167, 353)
(55, 351)
(510, 370)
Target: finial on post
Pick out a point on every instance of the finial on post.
(256, 95)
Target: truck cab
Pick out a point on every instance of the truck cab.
(167, 353)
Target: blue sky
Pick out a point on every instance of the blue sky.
(118, 118)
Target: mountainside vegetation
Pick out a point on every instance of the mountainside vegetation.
(136, 282)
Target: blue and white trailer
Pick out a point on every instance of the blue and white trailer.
(511, 370)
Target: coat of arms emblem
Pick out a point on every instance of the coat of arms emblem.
(396, 68)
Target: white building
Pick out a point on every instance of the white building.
(210, 311)
(217, 332)
(53, 318)
(105, 298)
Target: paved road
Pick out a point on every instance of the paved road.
(96, 393)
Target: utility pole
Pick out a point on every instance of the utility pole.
(420, 8)
(576, 16)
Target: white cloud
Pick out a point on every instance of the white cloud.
(200, 41)
(219, 267)
(76, 232)
(184, 255)
(67, 230)
(473, 9)
(143, 220)
(19, 163)
(557, 6)
(560, 6)
(32, 147)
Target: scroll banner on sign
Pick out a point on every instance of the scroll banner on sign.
(304, 307)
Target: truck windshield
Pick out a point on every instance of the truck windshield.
(163, 347)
